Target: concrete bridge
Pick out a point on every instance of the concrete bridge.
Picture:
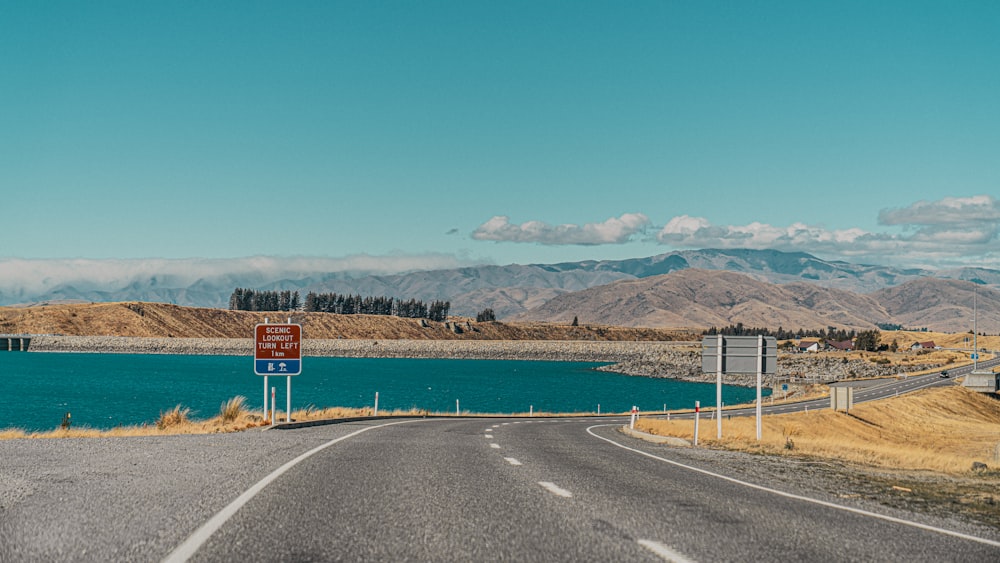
(14, 343)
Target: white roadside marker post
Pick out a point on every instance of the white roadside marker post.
(635, 415)
(265, 393)
(376, 404)
(697, 414)
(458, 411)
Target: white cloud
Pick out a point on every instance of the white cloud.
(949, 232)
(948, 211)
(616, 230)
(953, 231)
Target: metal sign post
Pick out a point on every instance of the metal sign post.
(718, 391)
(760, 369)
(739, 354)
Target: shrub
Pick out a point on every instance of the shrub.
(233, 408)
(173, 417)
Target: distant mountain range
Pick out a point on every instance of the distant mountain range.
(704, 298)
(793, 289)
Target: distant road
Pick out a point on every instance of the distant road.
(871, 390)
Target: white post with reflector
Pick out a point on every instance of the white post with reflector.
(697, 415)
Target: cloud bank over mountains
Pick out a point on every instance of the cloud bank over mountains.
(935, 235)
(944, 233)
(32, 277)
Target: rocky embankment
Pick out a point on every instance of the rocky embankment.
(802, 368)
(649, 359)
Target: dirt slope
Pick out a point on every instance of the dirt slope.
(163, 320)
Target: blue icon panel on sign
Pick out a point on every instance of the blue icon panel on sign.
(277, 367)
(975, 356)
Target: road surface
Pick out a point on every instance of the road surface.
(445, 490)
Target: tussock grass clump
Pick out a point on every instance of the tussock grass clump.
(232, 409)
(173, 417)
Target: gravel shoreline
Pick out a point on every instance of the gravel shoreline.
(553, 350)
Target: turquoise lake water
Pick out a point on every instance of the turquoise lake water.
(106, 390)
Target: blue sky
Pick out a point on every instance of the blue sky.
(444, 133)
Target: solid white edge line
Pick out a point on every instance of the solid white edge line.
(798, 497)
(664, 552)
(555, 489)
(190, 546)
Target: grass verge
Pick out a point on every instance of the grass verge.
(944, 430)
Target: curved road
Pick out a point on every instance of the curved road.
(443, 490)
(558, 490)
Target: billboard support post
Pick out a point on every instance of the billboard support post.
(739, 355)
(760, 370)
(718, 392)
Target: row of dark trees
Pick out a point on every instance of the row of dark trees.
(738, 329)
(357, 305)
(258, 300)
(867, 340)
(485, 316)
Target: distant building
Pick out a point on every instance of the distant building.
(808, 346)
(929, 345)
(842, 345)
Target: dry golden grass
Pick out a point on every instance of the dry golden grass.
(173, 417)
(941, 430)
(172, 422)
(232, 409)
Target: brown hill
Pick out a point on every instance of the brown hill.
(942, 305)
(163, 320)
(703, 298)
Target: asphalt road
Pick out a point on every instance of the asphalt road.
(560, 490)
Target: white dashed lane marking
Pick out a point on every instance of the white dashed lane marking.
(555, 489)
(512, 461)
(495, 446)
(664, 552)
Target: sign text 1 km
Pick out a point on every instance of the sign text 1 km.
(277, 349)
